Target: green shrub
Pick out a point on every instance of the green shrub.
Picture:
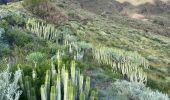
(16, 19)
(18, 37)
(4, 47)
(4, 24)
(134, 91)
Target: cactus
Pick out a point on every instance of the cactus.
(59, 62)
(73, 72)
(43, 92)
(47, 83)
(41, 29)
(71, 85)
(65, 85)
(53, 69)
(28, 87)
(93, 95)
(82, 96)
(53, 93)
(33, 94)
(87, 87)
(80, 82)
(70, 91)
(34, 74)
(124, 62)
(58, 87)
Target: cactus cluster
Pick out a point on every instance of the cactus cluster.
(41, 29)
(64, 84)
(125, 62)
(28, 86)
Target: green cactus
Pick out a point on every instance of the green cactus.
(47, 83)
(58, 87)
(87, 87)
(41, 29)
(122, 61)
(34, 74)
(59, 62)
(93, 95)
(53, 69)
(70, 91)
(28, 87)
(73, 72)
(43, 92)
(33, 94)
(82, 96)
(53, 93)
(81, 83)
(65, 85)
(72, 87)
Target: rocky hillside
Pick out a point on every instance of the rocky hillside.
(152, 12)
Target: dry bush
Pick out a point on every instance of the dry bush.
(47, 11)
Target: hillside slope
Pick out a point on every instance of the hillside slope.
(104, 26)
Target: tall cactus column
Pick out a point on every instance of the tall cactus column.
(80, 83)
(53, 93)
(65, 85)
(43, 92)
(28, 87)
(58, 86)
(73, 72)
(87, 87)
(70, 91)
(47, 83)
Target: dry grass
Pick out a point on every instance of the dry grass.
(140, 2)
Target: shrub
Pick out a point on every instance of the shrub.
(4, 24)
(9, 89)
(35, 57)
(18, 37)
(4, 47)
(16, 19)
(135, 91)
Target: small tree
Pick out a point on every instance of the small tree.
(35, 57)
